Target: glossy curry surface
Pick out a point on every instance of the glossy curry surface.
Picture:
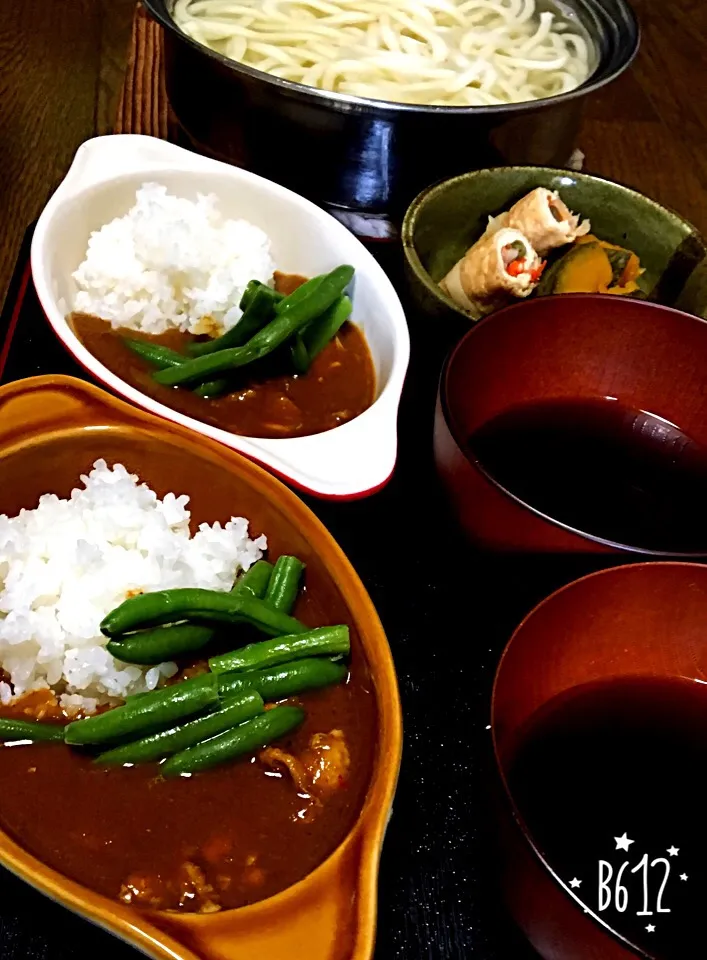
(264, 400)
(223, 838)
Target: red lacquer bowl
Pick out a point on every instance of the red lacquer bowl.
(647, 356)
(638, 620)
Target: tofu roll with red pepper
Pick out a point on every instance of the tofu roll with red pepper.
(500, 265)
(544, 218)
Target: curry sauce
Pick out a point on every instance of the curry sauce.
(266, 399)
(215, 840)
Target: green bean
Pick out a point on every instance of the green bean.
(302, 291)
(317, 295)
(212, 388)
(322, 641)
(284, 583)
(249, 293)
(161, 357)
(209, 367)
(147, 714)
(248, 705)
(255, 579)
(320, 331)
(277, 683)
(299, 355)
(177, 639)
(160, 644)
(246, 738)
(251, 288)
(28, 730)
(156, 694)
(197, 606)
(286, 323)
(260, 310)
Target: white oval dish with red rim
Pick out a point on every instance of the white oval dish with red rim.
(352, 460)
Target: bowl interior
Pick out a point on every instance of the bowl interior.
(444, 221)
(303, 241)
(51, 430)
(644, 619)
(578, 346)
(640, 621)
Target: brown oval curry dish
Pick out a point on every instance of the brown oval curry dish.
(289, 834)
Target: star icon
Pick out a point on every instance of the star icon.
(673, 851)
(623, 843)
(651, 928)
(575, 883)
(683, 876)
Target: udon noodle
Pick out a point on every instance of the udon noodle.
(454, 53)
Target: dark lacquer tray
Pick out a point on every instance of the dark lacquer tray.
(448, 611)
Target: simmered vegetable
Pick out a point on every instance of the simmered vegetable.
(323, 641)
(212, 388)
(242, 739)
(197, 606)
(147, 714)
(592, 266)
(318, 333)
(291, 315)
(260, 309)
(277, 683)
(284, 583)
(177, 639)
(160, 643)
(161, 357)
(222, 707)
(11, 729)
(247, 705)
(585, 268)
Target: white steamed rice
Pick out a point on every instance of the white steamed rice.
(67, 563)
(171, 262)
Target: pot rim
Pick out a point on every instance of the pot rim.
(623, 56)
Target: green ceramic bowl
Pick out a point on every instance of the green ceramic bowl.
(446, 219)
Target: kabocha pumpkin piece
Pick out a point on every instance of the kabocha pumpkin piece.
(585, 268)
(625, 266)
(626, 269)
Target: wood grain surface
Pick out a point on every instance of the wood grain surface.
(62, 64)
(61, 67)
(649, 129)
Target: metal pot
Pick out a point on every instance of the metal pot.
(365, 160)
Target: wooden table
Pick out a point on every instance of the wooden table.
(61, 69)
(649, 129)
(62, 65)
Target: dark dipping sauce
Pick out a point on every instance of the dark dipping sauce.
(266, 400)
(608, 470)
(241, 825)
(623, 759)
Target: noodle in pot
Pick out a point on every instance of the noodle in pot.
(452, 53)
